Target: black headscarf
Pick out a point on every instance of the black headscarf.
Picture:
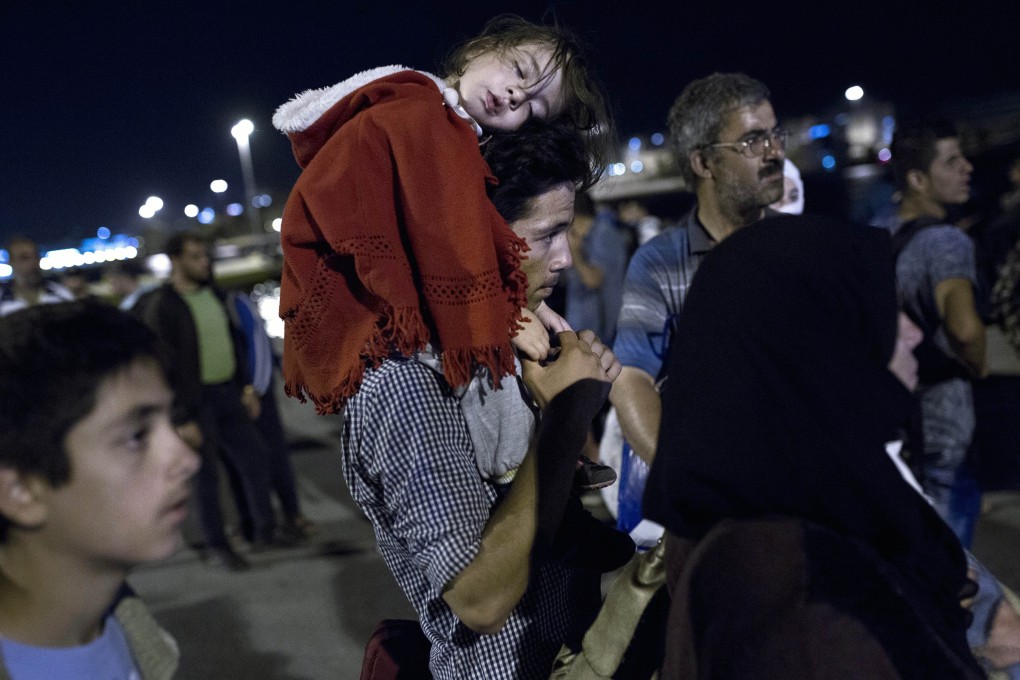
(779, 402)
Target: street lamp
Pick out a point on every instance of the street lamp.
(241, 131)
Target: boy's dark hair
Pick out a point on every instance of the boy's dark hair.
(914, 146)
(585, 105)
(53, 359)
(531, 161)
(698, 114)
(175, 244)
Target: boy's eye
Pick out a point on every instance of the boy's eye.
(517, 69)
(137, 438)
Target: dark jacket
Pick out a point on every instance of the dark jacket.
(165, 312)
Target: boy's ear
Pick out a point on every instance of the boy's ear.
(21, 498)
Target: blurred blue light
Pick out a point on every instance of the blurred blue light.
(634, 144)
(637, 166)
(888, 127)
(103, 233)
(658, 138)
(829, 162)
(820, 131)
(235, 209)
(206, 216)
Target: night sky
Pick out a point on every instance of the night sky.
(104, 104)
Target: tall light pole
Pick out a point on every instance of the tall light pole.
(241, 131)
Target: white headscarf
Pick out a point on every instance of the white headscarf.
(795, 207)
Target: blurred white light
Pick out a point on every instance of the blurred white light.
(146, 211)
(5, 270)
(278, 224)
(269, 310)
(243, 128)
(45, 264)
(89, 257)
(101, 256)
(158, 264)
(235, 209)
(64, 257)
(854, 93)
(218, 186)
(191, 210)
(637, 166)
(155, 202)
(884, 155)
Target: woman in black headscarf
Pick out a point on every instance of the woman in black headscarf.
(796, 548)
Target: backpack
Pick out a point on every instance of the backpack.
(933, 364)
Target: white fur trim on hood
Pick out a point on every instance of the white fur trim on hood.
(306, 108)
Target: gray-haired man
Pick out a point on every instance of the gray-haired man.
(730, 150)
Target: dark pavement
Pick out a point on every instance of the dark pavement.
(306, 613)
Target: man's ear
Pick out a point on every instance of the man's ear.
(22, 497)
(699, 164)
(917, 181)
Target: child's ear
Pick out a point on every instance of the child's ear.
(21, 498)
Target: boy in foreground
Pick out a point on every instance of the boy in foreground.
(93, 481)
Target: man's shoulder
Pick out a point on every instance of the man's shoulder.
(402, 385)
(55, 292)
(663, 255)
(928, 232)
(935, 242)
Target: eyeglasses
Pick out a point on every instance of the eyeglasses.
(756, 145)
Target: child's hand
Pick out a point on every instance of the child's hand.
(533, 340)
(551, 320)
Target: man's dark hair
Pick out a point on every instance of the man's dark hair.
(53, 360)
(533, 160)
(131, 268)
(583, 205)
(914, 146)
(17, 238)
(697, 115)
(175, 244)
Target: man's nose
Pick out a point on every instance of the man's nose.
(775, 150)
(562, 259)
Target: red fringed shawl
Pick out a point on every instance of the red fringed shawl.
(390, 242)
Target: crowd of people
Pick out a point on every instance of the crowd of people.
(801, 393)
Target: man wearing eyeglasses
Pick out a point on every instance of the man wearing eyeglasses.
(730, 150)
